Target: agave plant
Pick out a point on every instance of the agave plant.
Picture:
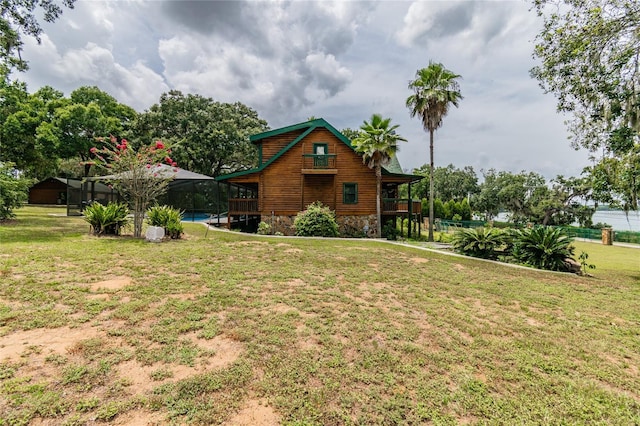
(543, 247)
(486, 243)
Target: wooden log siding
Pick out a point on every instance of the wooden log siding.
(275, 144)
(319, 188)
(284, 190)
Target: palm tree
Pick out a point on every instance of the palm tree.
(377, 143)
(435, 89)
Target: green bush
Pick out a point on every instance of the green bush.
(264, 228)
(13, 191)
(543, 247)
(106, 220)
(168, 218)
(465, 210)
(390, 231)
(486, 243)
(316, 221)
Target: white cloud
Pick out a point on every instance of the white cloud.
(339, 60)
(137, 86)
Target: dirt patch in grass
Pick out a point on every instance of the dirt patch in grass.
(140, 418)
(293, 251)
(254, 413)
(113, 284)
(46, 340)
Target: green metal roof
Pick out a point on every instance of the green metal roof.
(318, 122)
(393, 168)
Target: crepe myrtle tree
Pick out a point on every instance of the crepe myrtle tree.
(138, 175)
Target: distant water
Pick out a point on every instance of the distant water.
(617, 219)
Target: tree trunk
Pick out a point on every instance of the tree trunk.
(138, 217)
(87, 168)
(378, 195)
(431, 185)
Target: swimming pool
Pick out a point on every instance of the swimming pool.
(203, 217)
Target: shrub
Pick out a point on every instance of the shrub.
(316, 221)
(486, 243)
(107, 220)
(543, 247)
(465, 209)
(264, 228)
(168, 218)
(449, 209)
(438, 208)
(443, 237)
(389, 230)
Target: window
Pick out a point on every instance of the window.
(350, 193)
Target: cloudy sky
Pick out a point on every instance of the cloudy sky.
(342, 61)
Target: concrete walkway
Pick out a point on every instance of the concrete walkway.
(628, 245)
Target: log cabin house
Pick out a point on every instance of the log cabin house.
(312, 161)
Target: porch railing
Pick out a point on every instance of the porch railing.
(243, 205)
(400, 205)
(319, 161)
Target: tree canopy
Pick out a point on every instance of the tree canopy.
(449, 183)
(27, 131)
(44, 127)
(207, 137)
(528, 197)
(589, 52)
(19, 17)
(89, 114)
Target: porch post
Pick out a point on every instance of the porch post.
(410, 213)
(229, 217)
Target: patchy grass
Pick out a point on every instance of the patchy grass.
(321, 331)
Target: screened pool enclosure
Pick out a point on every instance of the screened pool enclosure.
(199, 196)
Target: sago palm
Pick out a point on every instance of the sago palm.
(543, 247)
(486, 243)
(377, 143)
(435, 90)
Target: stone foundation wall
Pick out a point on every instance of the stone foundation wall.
(349, 226)
(358, 226)
(282, 224)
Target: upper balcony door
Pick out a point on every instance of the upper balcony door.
(321, 158)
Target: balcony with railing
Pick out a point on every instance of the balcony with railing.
(319, 164)
(400, 206)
